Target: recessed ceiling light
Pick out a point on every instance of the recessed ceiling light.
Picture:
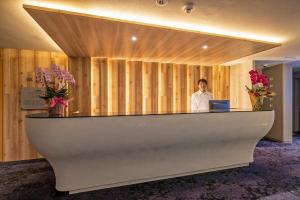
(161, 2)
(133, 38)
(204, 47)
(188, 8)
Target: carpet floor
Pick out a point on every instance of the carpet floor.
(274, 175)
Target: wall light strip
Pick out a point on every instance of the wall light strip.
(147, 20)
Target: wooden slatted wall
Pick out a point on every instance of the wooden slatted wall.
(19, 71)
(135, 87)
(103, 86)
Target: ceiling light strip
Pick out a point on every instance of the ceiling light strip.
(102, 12)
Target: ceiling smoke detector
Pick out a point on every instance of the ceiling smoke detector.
(161, 2)
(188, 8)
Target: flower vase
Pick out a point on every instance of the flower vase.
(57, 110)
(256, 102)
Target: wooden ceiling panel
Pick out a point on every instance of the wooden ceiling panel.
(80, 35)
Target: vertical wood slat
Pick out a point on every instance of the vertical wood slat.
(95, 104)
(166, 88)
(150, 89)
(118, 86)
(122, 87)
(1, 105)
(114, 87)
(81, 70)
(216, 82)
(103, 86)
(190, 86)
(227, 83)
(147, 89)
(221, 82)
(180, 83)
(135, 86)
(100, 85)
(197, 76)
(10, 105)
(183, 89)
(154, 87)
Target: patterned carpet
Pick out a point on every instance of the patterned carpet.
(274, 175)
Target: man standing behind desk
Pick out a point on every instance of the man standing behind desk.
(200, 99)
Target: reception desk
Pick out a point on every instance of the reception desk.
(94, 152)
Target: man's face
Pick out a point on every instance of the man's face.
(202, 87)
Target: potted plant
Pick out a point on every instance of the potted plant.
(56, 83)
(259, 90)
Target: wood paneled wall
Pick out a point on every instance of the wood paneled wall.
(103, 86)
(18, 70)
(135, 87)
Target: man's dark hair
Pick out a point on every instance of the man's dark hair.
(202, 80)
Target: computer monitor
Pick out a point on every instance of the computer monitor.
(219, 105)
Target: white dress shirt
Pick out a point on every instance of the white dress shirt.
(200, 101)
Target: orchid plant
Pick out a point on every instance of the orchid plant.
(56, 82)
(260, 84)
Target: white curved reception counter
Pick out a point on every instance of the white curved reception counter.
(94, 152)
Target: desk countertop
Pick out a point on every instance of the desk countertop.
(76, 115)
